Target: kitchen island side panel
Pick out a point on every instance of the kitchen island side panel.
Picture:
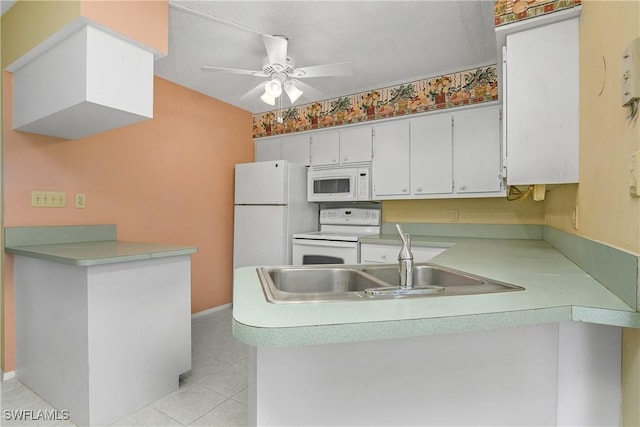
(139, 333)
(104, 340)
(51, 333)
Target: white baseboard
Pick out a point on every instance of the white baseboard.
(210, 311)
(4, 376)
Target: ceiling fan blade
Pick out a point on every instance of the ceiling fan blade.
(326, 70)
(276, 47)
(256, 91)
(235, 71)
(309, 91)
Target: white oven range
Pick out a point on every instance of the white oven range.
(337, 240)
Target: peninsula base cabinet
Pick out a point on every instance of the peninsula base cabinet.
(101, 341)
(552, 374)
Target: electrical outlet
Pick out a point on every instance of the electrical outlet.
(453, 215)
(81, 201)
(48, 199)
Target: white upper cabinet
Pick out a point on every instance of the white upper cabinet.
(541, 100)
(294, 148)
(267, 149)
(391, 157)
(89, 82)
(432, 154)
(351, 145)
(355, 144)
(325, 148)
(477, 161)
(439, 155)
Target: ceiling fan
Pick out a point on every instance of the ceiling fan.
(281, 73)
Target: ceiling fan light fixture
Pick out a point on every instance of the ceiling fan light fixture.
(268, 99)
(292, 91)
(274, 87)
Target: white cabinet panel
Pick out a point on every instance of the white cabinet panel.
(476, 150)
(541, 88)
(391, 159)
(295, 148)
(388, 254)
(351, 145)
(325, 148)
(431, 155)
(268, 149)
(355, 144)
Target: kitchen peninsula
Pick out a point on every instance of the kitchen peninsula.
(548, 355)
(103, 327)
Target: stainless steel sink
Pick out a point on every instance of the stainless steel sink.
(326, 283)
(367, 282)
(436, 281)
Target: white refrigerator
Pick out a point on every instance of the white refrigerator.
(270, 206)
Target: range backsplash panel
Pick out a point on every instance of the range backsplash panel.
(446, 91)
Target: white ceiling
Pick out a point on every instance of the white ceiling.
(387, 42)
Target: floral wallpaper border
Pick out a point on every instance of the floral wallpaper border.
(446, 91)
(508, 11)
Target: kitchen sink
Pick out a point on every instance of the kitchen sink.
(436, 280)
(366, 282)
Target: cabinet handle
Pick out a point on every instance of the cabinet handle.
(463, 187)
(333, 159)
(404, 190)
(383, 256)
(419, 189)
(345, 158)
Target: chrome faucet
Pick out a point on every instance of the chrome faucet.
(405, 258)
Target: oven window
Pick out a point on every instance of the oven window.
(332, 186)
(321, 259)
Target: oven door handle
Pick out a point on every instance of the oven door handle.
(326, 243)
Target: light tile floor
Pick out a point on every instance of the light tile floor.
(213, 393)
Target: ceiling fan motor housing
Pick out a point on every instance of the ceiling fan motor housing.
(270, 69)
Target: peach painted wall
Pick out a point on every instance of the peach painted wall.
(166, 180)
(145, 21)
(28, 23)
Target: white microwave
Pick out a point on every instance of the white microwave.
(339, 184)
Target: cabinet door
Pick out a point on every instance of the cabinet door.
(542, 104)
(295, 148)
(267, 149)
(476, 150)
(325, 148)
(388, 254)
(391, 159)
(355, 145)
(431, 155)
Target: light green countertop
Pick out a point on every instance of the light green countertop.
(84, 254)
(555, 290)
